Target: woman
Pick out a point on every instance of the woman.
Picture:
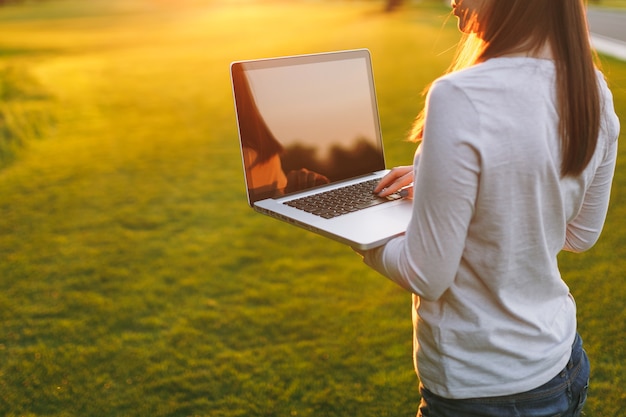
(519, 142)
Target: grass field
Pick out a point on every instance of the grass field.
(134, 279)
(614, 4)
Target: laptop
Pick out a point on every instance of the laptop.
(310, 138)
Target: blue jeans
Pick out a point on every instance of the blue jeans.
(563, 396)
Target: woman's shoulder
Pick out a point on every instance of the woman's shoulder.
(498, 76)
(479, 77)
(502, 68)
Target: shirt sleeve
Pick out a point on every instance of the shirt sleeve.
(425, 260)
(584, 230)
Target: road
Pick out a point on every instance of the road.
(608, 23)
(608, 31)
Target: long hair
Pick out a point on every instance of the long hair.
(514, 26)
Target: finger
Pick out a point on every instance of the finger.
(398, 186)
(358, 251)
(294, 181)
(396, 174)
(320, 180)
(310, 178)
(400, 183)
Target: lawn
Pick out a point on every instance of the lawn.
(612, 4)
(134, 279)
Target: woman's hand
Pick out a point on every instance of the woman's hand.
(399, 178)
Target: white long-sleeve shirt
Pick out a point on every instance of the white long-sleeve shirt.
(491, 212)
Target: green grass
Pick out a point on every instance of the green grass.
(612, 4)
(134, 279)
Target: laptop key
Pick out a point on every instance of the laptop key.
(341, 201)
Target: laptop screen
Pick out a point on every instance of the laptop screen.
(306, 121)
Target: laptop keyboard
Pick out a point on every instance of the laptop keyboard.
(342, 200)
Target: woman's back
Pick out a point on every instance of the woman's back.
(518, 153)
(485, 241)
